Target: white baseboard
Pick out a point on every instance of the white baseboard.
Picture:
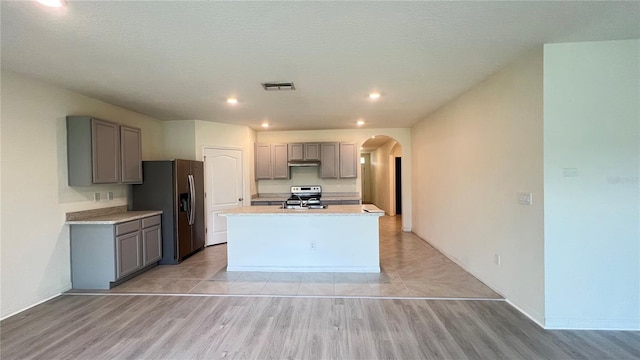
(67, 288)
(539, 320)
(592, 324)
(352, 269)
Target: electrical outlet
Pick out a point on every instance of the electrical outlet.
(313, 245)
(497, 260)
(110, 195)
(96, 196)
(569, 172)
(525, 198)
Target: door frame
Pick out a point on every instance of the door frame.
(244, 190)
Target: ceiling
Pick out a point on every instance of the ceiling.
(181, 60)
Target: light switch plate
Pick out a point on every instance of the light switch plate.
(96, 196)
(110, 195)
(525, 198)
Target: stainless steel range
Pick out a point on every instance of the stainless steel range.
(305, 197)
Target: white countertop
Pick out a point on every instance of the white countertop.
(115, 218)
(348, 210)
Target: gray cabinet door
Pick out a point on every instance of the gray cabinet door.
(311, 151)
(296, 151)
(279, 161)
(348, 161)
(128, 254)
(329, 160)
(263, 161)
(151, 245)
(131, 155)
(105, 152)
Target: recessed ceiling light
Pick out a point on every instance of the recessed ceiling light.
(373, 137)
(52, 3)
(232, 101)
(265, 125)
(360, 122)
(374, 96)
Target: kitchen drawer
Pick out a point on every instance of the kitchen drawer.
(151, 221)
(127, 227)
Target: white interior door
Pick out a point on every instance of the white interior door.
(224, 189)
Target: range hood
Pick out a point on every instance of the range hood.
(300, 163)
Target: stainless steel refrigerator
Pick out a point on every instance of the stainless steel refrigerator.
(177, 188)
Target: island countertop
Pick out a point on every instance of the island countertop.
(348, 210)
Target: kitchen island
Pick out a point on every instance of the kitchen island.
(340, 238)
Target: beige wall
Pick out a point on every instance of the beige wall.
(382, 175)
(35, 196)
(180, 139)
(210, 134)
(186, 139)
(470, 160)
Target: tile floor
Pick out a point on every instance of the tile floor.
(410, 268)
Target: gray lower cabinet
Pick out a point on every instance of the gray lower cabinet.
(341, 202)
(266, 202)
(128, 254)
(102, 255)
(151, 245)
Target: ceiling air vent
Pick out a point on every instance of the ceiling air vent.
(276, 86)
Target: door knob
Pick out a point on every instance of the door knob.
(240, 199)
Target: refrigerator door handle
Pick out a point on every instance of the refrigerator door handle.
(192, 200)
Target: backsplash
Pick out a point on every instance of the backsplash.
(308, 176)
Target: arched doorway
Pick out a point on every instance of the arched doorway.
(381, 159)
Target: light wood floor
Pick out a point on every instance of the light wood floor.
(410, 268)
(193, 324)
(126, 326)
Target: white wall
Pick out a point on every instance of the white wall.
(35, 196)
(591, 167)
(357, 136)
(470, 159)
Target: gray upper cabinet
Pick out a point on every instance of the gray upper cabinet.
(304, 151)
(102, 152)
(329, 160)
(131, 155)
(348, 161)
(105, 152)
(280, 161)
(296, 151)
(271, 161)
(263, 162)
(311, 151)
